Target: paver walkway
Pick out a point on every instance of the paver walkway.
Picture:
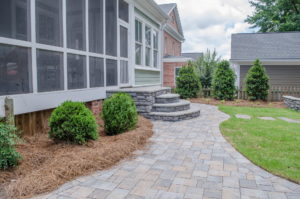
(187, 160)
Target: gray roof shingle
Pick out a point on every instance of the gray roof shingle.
(250, 46)
(194, 56)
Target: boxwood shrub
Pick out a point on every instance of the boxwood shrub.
(9, 157)
(119, 114)
(188, 84)
(73, 122)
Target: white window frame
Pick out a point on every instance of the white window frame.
(153, 28)
(36, 101)
(127, 26)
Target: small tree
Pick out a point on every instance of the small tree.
(224, 82)
(257, 82)
(205, 67)
(188, 84)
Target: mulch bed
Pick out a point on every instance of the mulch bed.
(47, 165)
(246, 103)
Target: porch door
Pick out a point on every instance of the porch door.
(124, 57)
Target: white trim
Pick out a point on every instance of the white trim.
(147, 68)
(179, 59)
(269, 62)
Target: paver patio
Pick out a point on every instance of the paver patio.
(186, 160)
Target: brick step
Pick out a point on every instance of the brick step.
(181, 105)
(193, 112)
(167, 98)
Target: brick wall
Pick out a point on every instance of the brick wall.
(172, 46)
(95, 107)
(169, 73)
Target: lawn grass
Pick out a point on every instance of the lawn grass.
(272, 145)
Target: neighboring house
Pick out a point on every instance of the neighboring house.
(278, 52)
(174, 59)
(57, 50)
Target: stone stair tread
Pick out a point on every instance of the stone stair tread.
(174, 114)
(169, 95)
(176, 104)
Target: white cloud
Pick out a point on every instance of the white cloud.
(208, 24)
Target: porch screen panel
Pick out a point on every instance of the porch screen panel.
(76, 24)
(123, 10)
(111, 27)
(111, 72)
(15, 70)
(76, 71)
(50, 72)
(96, 72)
(15, 19)
(124, 74)
(96, 26)
(123, 42)
(49, 22)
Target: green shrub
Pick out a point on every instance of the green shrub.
(257, 82)
(119, 114)
(188, 84)
(73, 122)
(224, 82)
(9, 157)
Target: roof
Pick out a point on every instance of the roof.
(194, 56)
(167, 8)
(251, 46)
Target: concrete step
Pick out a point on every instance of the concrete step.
(193, 112)
(167, 98)
(181, 105)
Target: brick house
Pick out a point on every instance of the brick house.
(174, 59)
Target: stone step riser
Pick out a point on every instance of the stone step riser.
(174, 118)
(166, 100)
(171, 109)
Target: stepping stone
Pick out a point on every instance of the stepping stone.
(247, 117)
(289, 120)
(267, 118)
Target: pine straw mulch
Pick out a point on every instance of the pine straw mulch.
(246, 103)
(46, 165)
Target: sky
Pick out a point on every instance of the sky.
(208, 24)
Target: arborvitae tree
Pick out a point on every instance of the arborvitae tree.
(257, 82)
(224, 82)
(188, 84)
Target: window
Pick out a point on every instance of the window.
(123, 10)
(50, 71)
(111, 72)
(15, 19)
(155, 49)
(15, 70)
(138, 42)
(124, 75)
(76, 24)
(123, 42)
(148, 45)
(111, 27)
(96, 72)
(76, 71)
(49, 22)
(96, 26)
(177, 73)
